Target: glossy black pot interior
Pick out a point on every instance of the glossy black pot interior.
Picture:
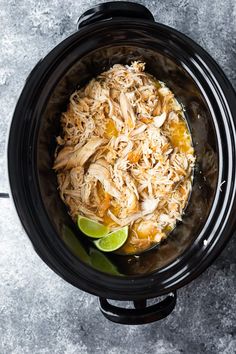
(209, 101)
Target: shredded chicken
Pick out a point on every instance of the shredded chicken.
(125, 155)
(69, 157)
(100, 171)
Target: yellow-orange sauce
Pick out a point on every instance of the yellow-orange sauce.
(180, 136)
(110, 130)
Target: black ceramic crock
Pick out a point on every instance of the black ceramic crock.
(121, 32)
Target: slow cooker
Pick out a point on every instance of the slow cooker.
(121, 32)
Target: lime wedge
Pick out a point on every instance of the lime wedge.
(100, 262)
(92, 228)
(112, 241)
(74, 244)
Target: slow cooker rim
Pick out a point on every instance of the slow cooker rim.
(37, 70)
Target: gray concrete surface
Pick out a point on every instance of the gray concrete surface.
(41, 313)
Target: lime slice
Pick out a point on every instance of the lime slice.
(100, 262)
(112, 241)
(92, 228)
(74, 244)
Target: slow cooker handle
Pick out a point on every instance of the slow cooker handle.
(140, 314)
(4, 195)
(110, 10)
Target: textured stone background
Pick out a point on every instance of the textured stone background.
(39, 312)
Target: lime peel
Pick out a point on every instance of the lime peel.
(92, 228)
(113, 241)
